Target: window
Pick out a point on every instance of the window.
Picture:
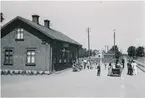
(8, 60)
(64, 55)
(64, 60)
(20, 34)
(65, 45)
(31, 60)
(60, 61)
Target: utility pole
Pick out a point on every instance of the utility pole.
(106, 48)
(88, 29)
(114, 42)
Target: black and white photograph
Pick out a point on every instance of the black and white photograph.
(72, 49)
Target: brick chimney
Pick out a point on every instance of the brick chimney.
(35, 19)
(47, 23)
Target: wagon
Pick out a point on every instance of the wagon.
(116, 71)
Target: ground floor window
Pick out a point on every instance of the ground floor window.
(64, 55)
(8, 60)
(31, 58)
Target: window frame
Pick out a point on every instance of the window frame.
(19, 31)
(31, 56)
(9, 56)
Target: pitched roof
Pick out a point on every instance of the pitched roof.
(103, 52)
(47, 31)
(110, 52)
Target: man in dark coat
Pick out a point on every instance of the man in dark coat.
(123, 61)
(128, 68)
(98, 70)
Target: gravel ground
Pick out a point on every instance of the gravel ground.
(75, 84)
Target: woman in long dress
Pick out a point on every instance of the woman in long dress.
(109, 69)
(88, 65)
(134, 65)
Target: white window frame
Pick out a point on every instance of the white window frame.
(31, 57)
(20, 34)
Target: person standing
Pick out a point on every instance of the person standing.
(123, 61)
(88, 64)
(109, 69)
(85, 63)
(128, 68)
(74, 65)
(82, 64)
(105, 64)
(134, 65)
(131, 68)
(98, 70)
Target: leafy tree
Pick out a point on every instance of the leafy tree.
(140, 51)
(83, 52)
(114, 47)
(131, 51)
(115, 50)
(118, 54)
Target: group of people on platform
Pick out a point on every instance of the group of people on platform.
(132, 67)
(86, 64)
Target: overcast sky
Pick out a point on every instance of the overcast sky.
(72, 19)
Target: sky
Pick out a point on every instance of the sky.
(74, 17)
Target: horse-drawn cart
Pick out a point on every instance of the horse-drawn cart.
(116, 70)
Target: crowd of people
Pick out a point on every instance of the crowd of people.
(86, 64)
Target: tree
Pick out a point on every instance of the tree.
(131, 51)
(140, 51)
(115, 50)
(118, 54)
(114, 47)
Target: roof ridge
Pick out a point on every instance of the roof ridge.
(63, 34)
(54, 34)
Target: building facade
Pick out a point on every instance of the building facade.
(27, 45)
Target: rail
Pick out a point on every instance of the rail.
(141, 66)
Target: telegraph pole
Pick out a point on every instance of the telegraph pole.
(106, 48)
(114, 42)
(89, 42)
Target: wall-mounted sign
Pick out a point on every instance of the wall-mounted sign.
(65, 45)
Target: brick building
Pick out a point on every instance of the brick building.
(28, 45)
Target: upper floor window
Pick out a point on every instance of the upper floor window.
(20, 34)
(8, 59)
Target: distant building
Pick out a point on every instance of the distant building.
(109, 56)
(27, 45)
(100, 54)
